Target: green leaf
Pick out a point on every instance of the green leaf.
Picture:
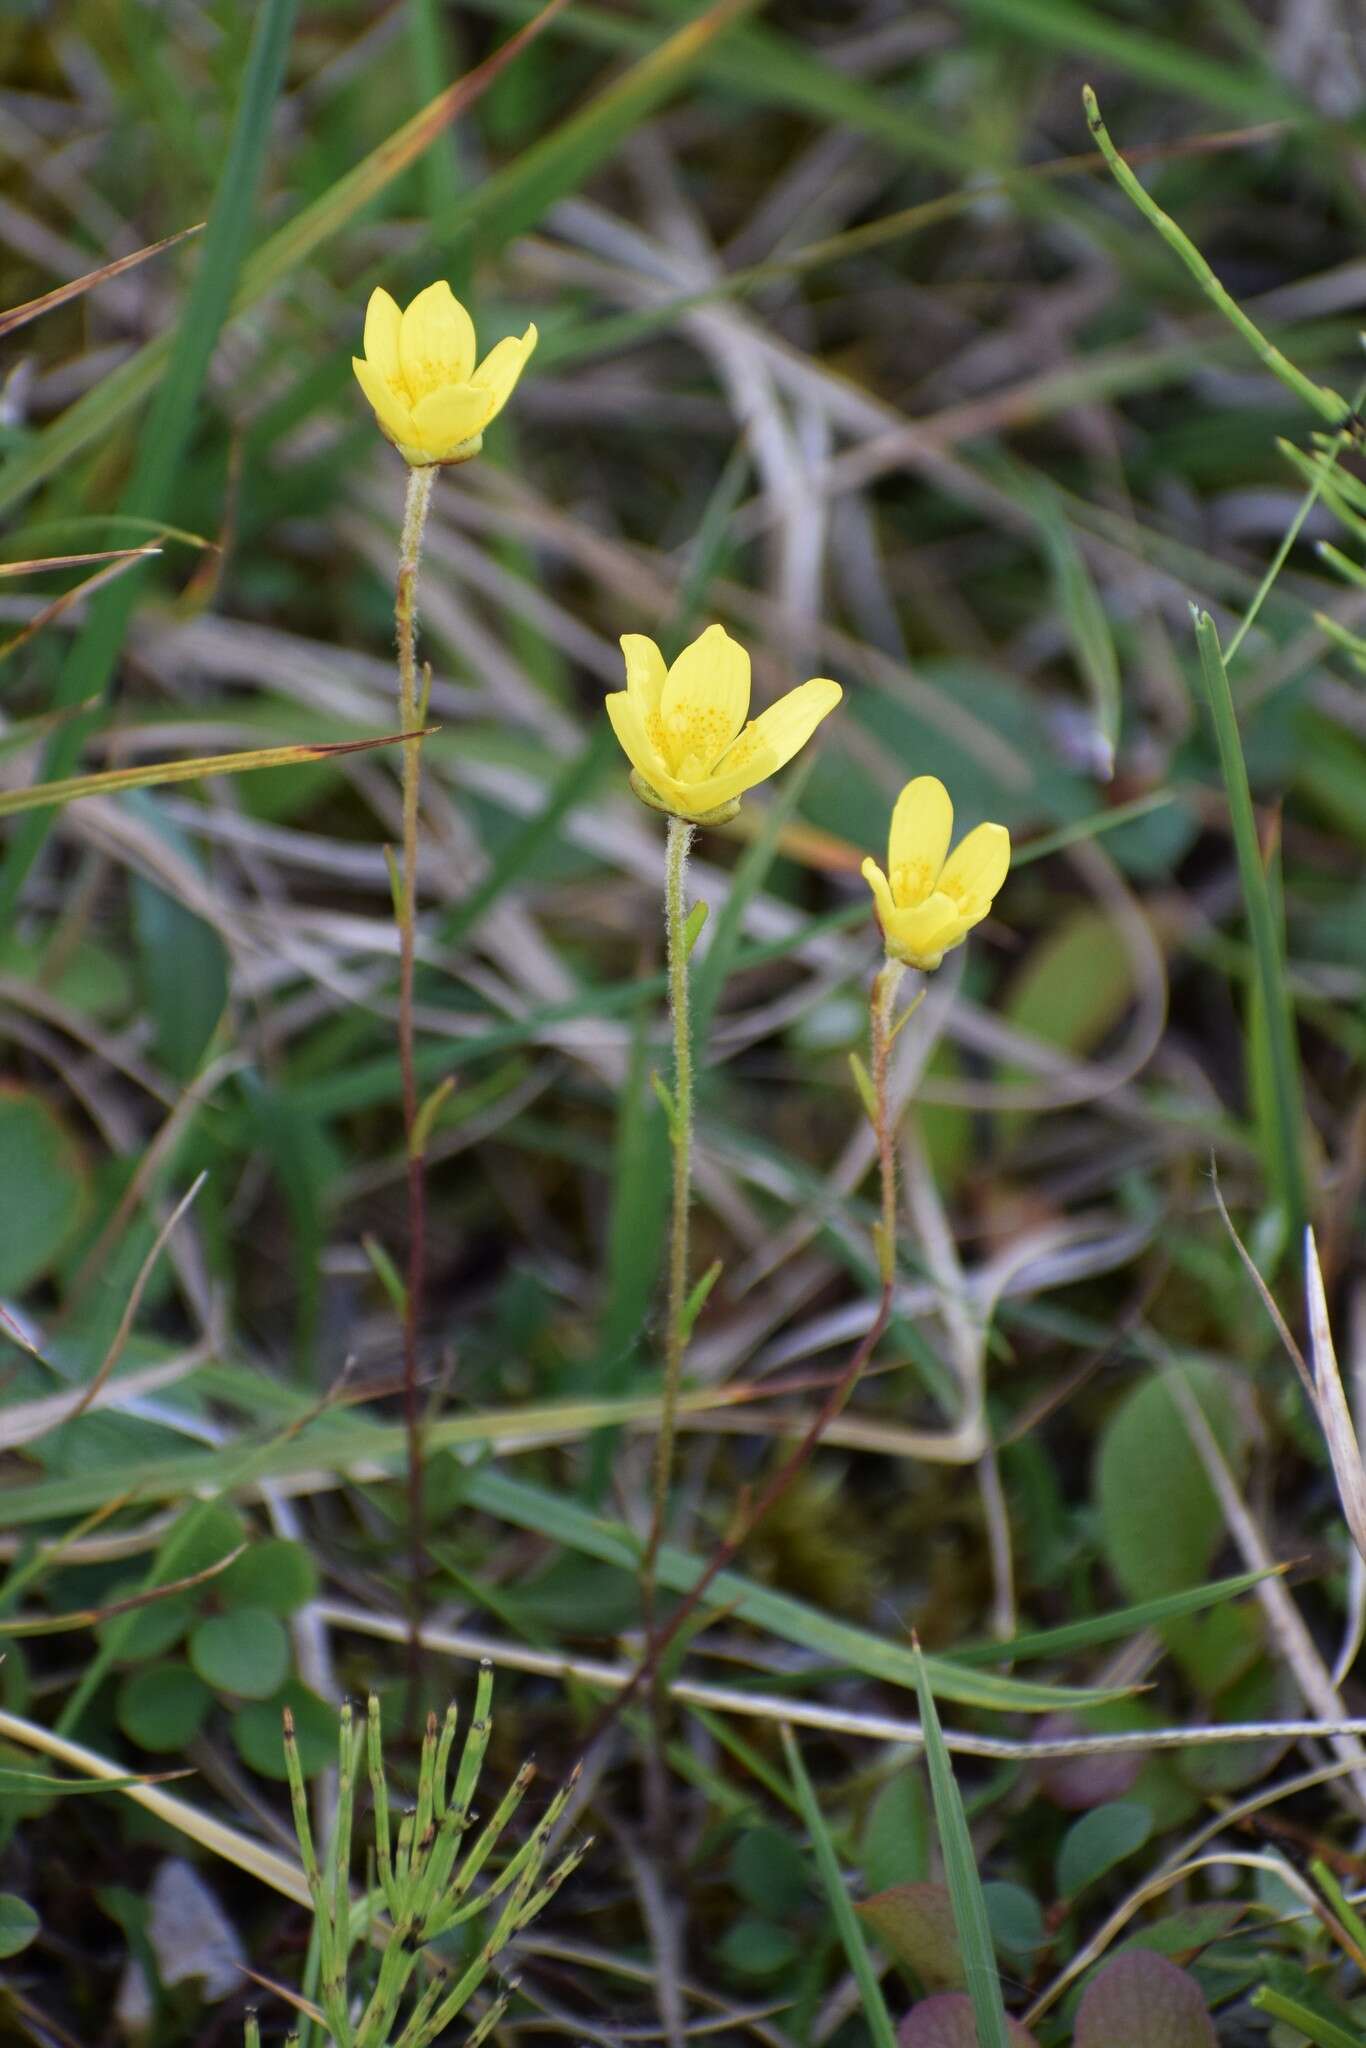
(692, 928)
(18, 1924)
(145, 1632)
(258, 1731)
(1120, 1621)
(42, 1188)
(960, 1867)
(245, 1652)
(91, 662)
(1098, 1841)
(896, 1838)
(1077, 985)
(275, 1574)
(184, 974)
(838, 1900)
(162, 1706)
(837, 1642)
(1083, 613)
(1285, 1163)
(1160, 1520)
(697, 1299)
(756, 1948)
(863, 1081)
(1017, 1921)
(1143, 2001)
(769, 1871)
(1324, 2033)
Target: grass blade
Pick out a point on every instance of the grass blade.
(960, 1868)
(841, 1906)
(90, 665)
(1318, 397)
(1322, 2032)
(47, 796)
(32, 309)
(1285, 1165)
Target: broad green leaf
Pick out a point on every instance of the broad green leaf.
(1098, 1841)
(42, 1188)
(18, 1924)
(769, 1871)
(1075, 988)
(896, 1837)
(1160, 1520)
(756, 1948)
(258, 1731)
(162, 1706)
(245, 1652)
(275, 1574)
(1016, 1920)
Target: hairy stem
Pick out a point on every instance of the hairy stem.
(882, 1003)
(405, 624)
(680, 1132)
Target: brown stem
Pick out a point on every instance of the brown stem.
(405, 622)
(880, 1019)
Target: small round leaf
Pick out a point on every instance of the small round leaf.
(162, 1706)
(258, 1731)
(18, 1924)
(275, 1574)
(245, 1652)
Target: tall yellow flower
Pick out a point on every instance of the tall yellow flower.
(419, 374)
(684, 728)
(926, 903)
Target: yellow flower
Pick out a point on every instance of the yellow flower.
(683, 728)
(418, 373)
(927, 904)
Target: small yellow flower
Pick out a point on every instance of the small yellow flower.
(418, 373)
(927, 904)
(684, 729)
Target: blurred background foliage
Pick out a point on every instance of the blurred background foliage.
(848, 341)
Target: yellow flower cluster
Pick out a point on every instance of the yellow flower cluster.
(419, 374)
(685, 728)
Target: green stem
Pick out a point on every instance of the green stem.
(881, 1009)
(1318, 397)
(680, 1131)
(415, 509)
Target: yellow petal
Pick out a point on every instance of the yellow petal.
(382, 319)
(882, 893)
(704, 701)
(630, 731)
(787, 725)
(922, 825)
(444, 421)
(976, 869)
(922, 935)
(645, 672)
(435, 341)
(503, 365)
(390, 411)
(769, 741)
